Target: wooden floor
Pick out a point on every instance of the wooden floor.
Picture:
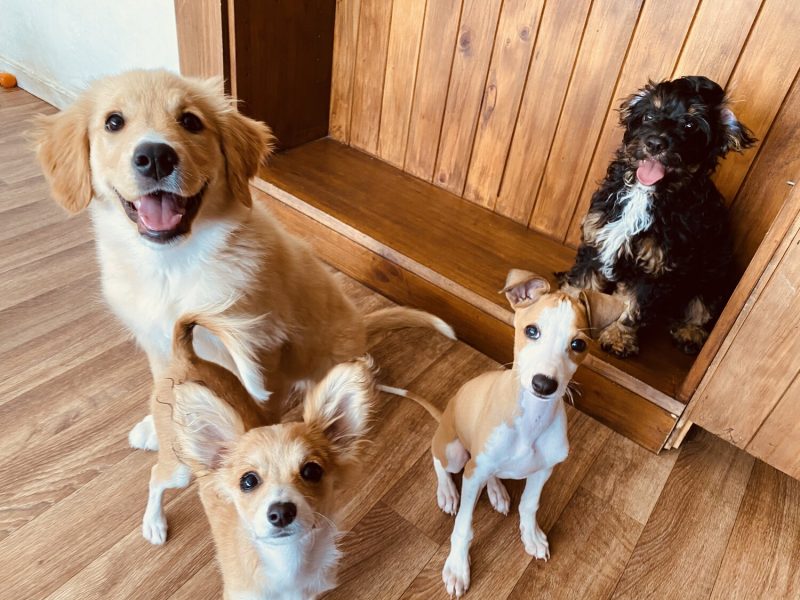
(706, 521)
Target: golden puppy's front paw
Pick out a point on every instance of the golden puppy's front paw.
(620, 340)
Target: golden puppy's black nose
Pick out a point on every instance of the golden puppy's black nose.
(154, 160)
(281, 514)
(544, 385)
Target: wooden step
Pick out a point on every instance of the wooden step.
(423, 246)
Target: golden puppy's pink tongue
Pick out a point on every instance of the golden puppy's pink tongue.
(650, 171)
(161, 212)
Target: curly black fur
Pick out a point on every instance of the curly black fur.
(686, 126)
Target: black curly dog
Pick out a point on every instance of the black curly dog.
(656, 233)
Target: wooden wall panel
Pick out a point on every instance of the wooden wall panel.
(605, 42)
(430, 94)
(467, 81)
(513, 46)
(554, 56)
(344, 59)
(662, 24)
(401, 72)
(773, 440)
(765, 71)
(370, 70)
(201, 37)
(512, 103)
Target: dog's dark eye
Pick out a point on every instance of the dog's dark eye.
(648, 116)
(191, 122)
(249, 481)
(114, 122)
(689, 125)
(532, 331)
(311, 471)
(578, 345)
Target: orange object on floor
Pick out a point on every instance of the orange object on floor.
(7, 80)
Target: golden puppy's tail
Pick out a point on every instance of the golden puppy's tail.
(398, 317)
(432, 410)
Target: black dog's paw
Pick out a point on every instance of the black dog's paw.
(619, 340)
(688, 338)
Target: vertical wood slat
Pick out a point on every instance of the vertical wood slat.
(514, 42)
(767, 185)
(373, 37)
(663, 25)
(468, 77)
(607, 37)
(200, 37)
(716, 38)
(553, 57)
(772, 442)
(344, 58)
(761, 80)
(401, 71)
(436, 53)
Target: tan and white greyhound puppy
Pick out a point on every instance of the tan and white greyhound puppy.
(511, 424)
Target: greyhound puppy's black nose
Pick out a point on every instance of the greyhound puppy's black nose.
(154, 160)
(544, 385)
(281, 514)
(655, 144)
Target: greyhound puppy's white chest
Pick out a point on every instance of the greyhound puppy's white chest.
(536, 439)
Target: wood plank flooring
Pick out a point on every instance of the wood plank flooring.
(706, 521)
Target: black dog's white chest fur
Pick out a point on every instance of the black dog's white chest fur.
(614, 238)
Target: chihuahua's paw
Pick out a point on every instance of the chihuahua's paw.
(154, 529)
(143, 435)
(620, 340)
(498, 495)
(456, 575)
(447, 496)
(535, 542)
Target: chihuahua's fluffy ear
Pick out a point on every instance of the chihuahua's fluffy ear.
(340, 406)
(62, 147)
(523, 288)
(601, 310)
(207, 427)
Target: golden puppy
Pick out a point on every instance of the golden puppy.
(163, 163)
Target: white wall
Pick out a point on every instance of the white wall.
(55, 47)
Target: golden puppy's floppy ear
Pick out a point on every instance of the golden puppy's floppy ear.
(245, 143)
(62, 147)
(601, 310)
(523, 288)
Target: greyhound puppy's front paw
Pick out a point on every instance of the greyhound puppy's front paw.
(447, 496)
(498, 495)
(456, 574)
(535, 541)
(620, 340)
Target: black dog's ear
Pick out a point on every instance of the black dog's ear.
(629, 104)
(710, 90)
(736, 136)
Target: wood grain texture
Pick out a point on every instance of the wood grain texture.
(401, 72)
(703, 493)
(513, 48)
(437, 48)
(661, 24)
(201, 34)
(776, 439)
(467, 80)
(767, 186)
(764, 547)
(763, 75)
(607, 36)
(345, 38)
(554, 55)
(370, 69)
(717, 35)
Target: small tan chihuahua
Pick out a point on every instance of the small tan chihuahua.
(268, 490)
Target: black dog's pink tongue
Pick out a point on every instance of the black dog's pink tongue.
(650, 171)
(159, 213)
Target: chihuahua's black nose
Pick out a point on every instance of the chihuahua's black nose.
(655, 144)
(544, 385)
(280, 514)
(154, 160)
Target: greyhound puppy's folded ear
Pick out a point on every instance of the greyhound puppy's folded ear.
(523, 288)
(601, 310)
